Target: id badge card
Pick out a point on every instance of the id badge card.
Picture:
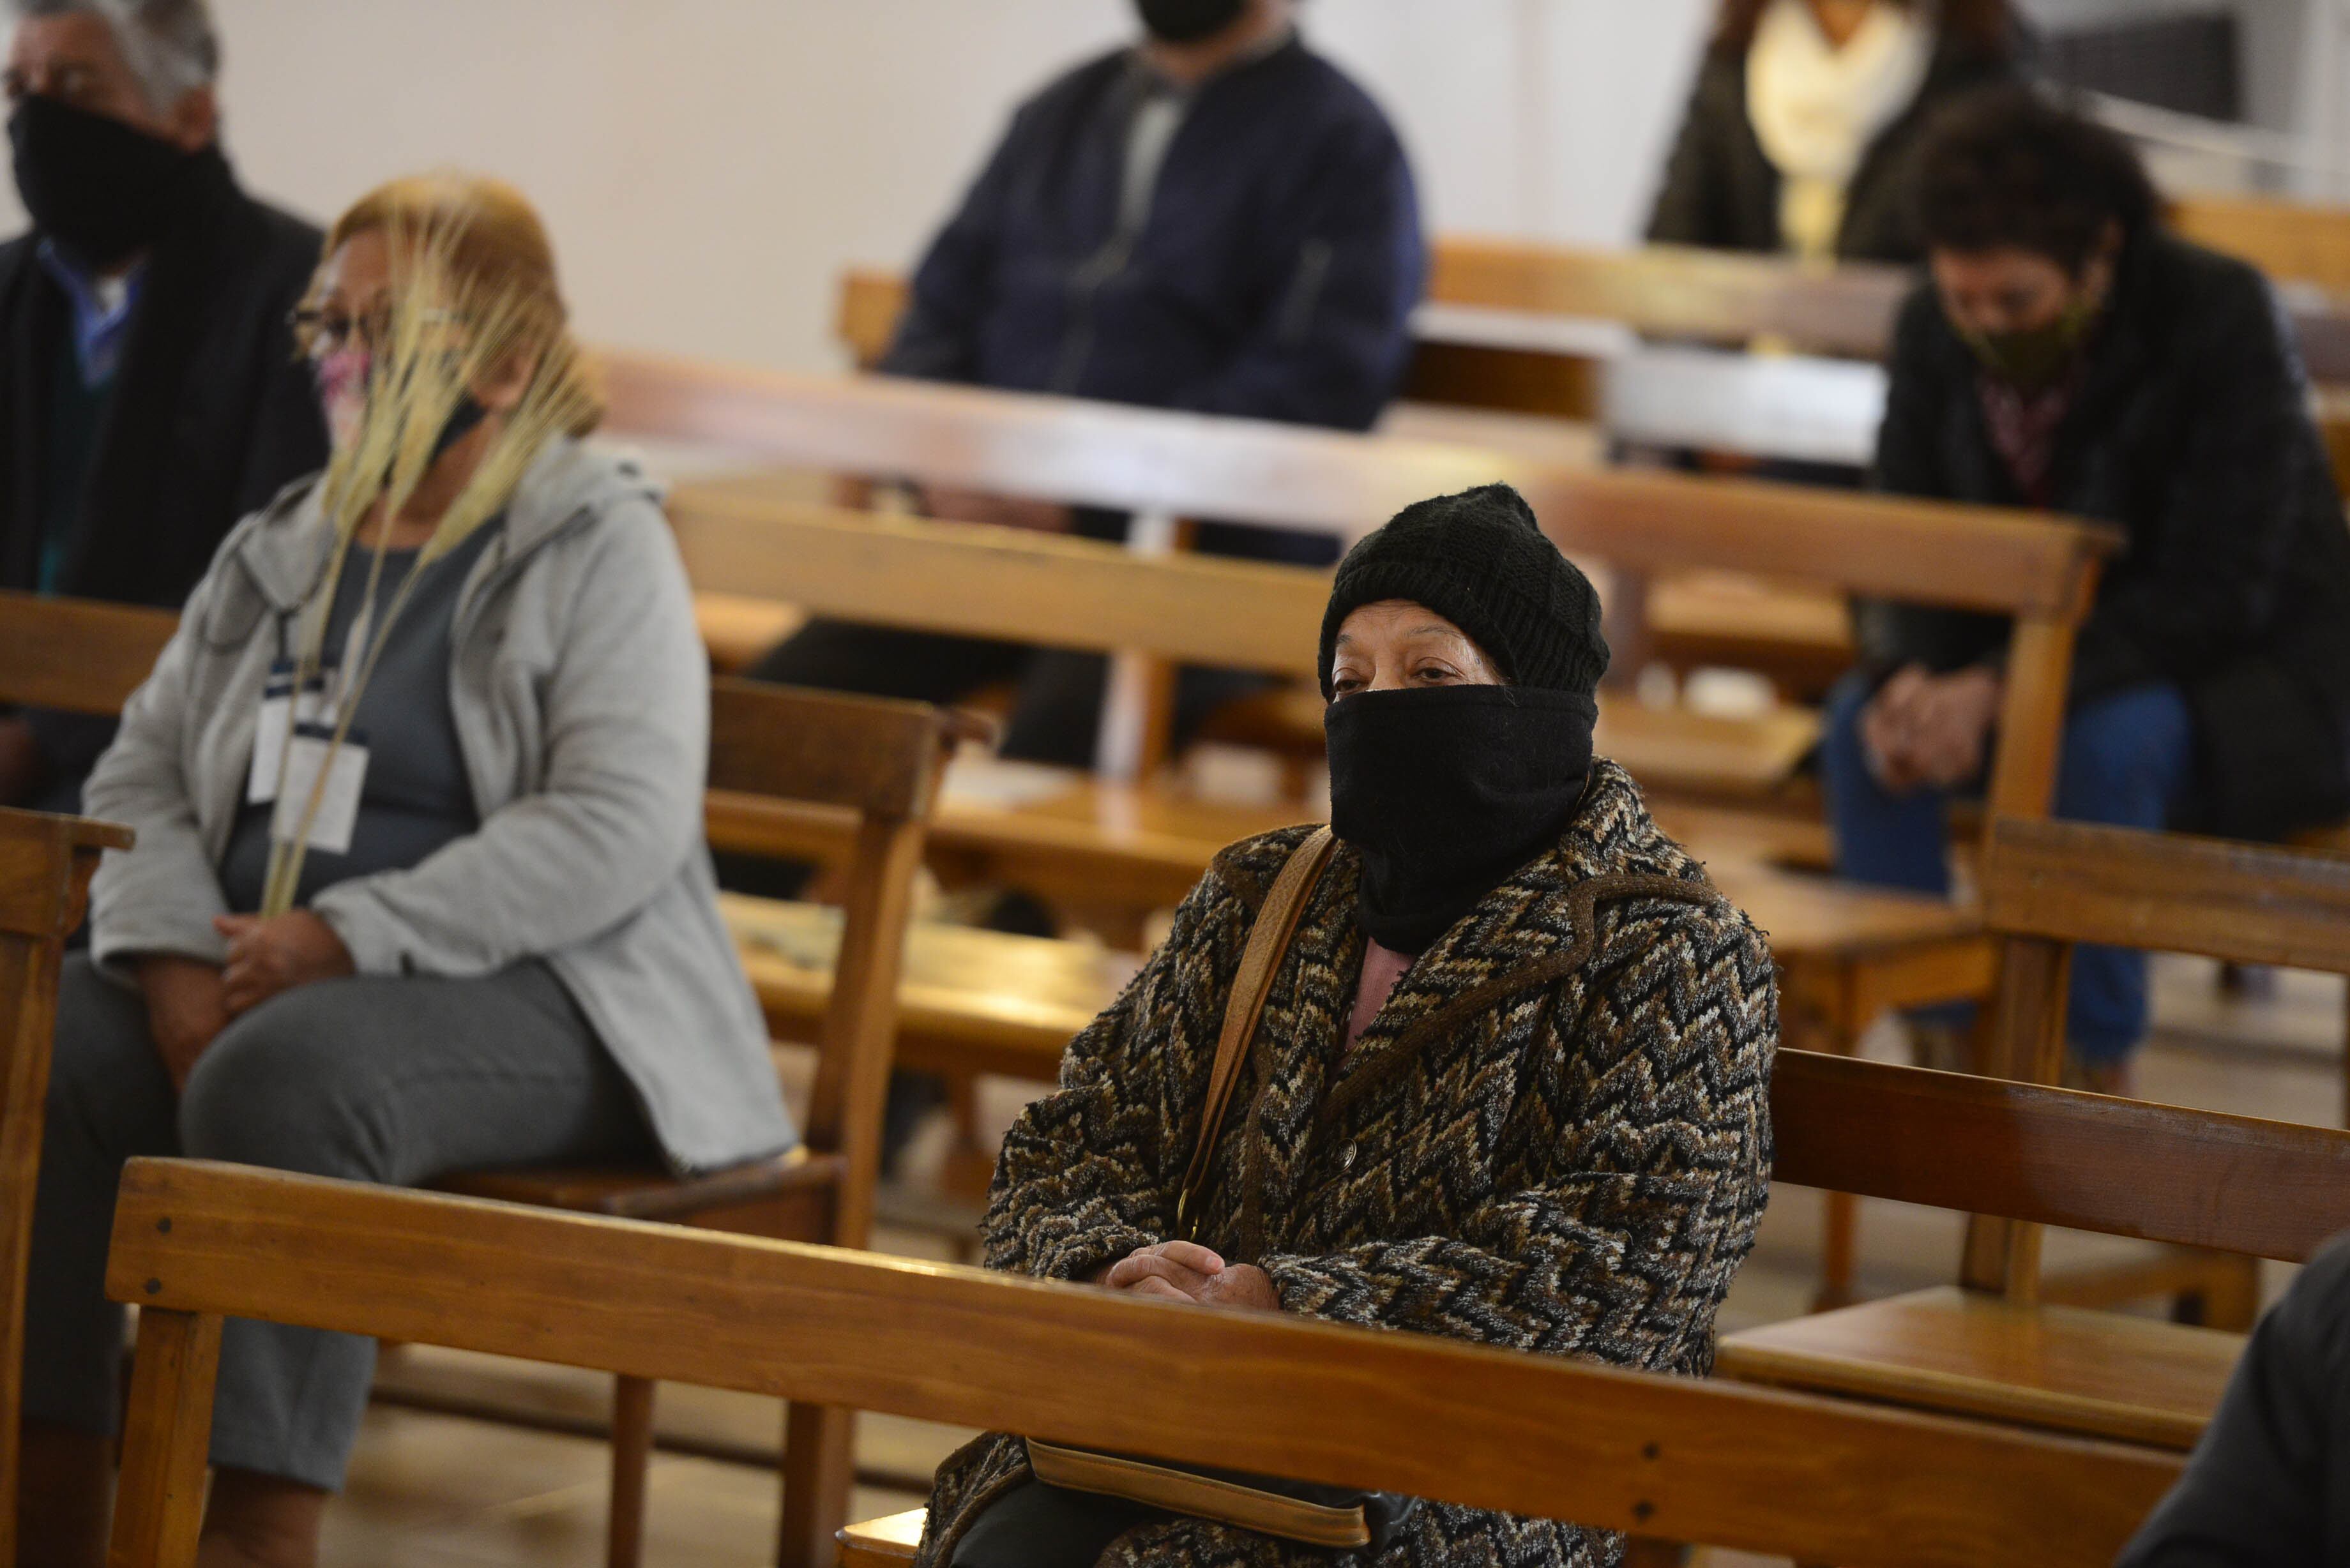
(279, 712)
(338, 804)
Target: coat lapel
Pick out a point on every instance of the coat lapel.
(1519, 932)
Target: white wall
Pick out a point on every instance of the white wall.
(708, 166)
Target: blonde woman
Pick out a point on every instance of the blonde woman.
(509, 953)
(1802, 129)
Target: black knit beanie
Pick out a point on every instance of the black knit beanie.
(1479, 559)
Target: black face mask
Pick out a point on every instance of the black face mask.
(464, 419)
(1189, 21)
(99, 189)
(1448, 790)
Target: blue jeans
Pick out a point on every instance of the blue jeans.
(2125, 762)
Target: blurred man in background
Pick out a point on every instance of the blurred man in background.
(149, 391)
(2070, 354)
(1214, 220)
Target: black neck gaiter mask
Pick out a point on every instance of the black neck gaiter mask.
(1189, 21)
(1445, 791)
(100, 189)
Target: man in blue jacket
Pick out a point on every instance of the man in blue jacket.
(1214, 220)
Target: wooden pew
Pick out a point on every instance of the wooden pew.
(1948, 1140)
(1071, 593)
(45, 865)
(2026, 564)
(1847, 953)
(2000, 1344)
(1471, 353)
(1742, 1467)
(2292, 242)
(781, 752)
(76, 655)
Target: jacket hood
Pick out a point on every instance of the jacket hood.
(285, 546)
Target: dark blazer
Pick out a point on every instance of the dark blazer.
(2191, 432)
(211, 414)
(2268, 1485)
(1721, 190)
(1274, 278)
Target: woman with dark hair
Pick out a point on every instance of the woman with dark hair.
(1804, 122)
(2070, 354)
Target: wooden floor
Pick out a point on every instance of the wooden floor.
(428, 1489)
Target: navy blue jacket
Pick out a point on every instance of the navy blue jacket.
(1273, 278)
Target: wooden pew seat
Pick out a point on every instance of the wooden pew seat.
(991, 1001)
(2100, 1375)
(760, 1195)
(876, 1543)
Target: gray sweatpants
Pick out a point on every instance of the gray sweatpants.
(371, 1079)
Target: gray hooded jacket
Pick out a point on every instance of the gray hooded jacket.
(581, 697)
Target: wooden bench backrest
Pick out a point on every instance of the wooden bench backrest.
(881, 762)
(1742, 1467)
(1723, 297)
(2052, 1156)
(46, 863)
(2167, 892)
(2292, 242)
(1080, 594)
(2048, 886)
(78, 654)
(2041, 570)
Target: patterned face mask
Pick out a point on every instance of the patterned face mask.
(2033, 357)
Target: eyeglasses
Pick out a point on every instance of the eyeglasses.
(321, 330)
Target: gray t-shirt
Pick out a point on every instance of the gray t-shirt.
(417, 797)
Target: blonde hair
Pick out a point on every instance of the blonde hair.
(496, 247)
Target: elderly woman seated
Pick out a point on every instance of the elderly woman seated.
(1511, 1080)
(508, 951)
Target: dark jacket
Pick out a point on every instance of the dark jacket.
(1273, 278)
(2269, 1486)
(1722, 190)
(1554, 1138)
(2191, 432)
(211, 414)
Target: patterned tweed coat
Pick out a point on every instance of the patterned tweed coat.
(1555, 1137)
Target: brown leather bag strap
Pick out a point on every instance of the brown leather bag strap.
(1268, 940)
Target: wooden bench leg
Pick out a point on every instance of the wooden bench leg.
(1814, 1012)
(2230, 1297)
(632, 1458)
(158, 1504)
(819, 1464)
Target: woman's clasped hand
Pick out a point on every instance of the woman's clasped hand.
(276, 953)
(1187, 1271)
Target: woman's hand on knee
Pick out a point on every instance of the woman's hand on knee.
(186, 1008)
(269, 956)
